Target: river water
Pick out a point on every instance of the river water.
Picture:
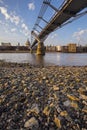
(66, 59)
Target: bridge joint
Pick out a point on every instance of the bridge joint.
(48, 3)
(43, 19)
(39, 26)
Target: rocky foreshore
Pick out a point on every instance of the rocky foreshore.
(42, 98)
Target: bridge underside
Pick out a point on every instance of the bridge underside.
(69, 10)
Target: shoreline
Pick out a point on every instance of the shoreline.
(28, 51)
(15, 64)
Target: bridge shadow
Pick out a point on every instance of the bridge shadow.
(40, 60)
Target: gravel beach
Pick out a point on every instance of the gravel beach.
(43, 98)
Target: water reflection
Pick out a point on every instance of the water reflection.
(58, 58)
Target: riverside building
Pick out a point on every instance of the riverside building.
(72, 47)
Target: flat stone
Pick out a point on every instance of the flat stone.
(46, 111)
(57, 122)
(44, 78)
(64, 113)
(73, 104)
(67, 103)
(55, 88)
(32, 122)
(72, 97)
(35, 108)
(83, 97)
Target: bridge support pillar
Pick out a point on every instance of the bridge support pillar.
(40, 48)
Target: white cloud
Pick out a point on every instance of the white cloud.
(13, 29)
(13, 18)
(5, 24)
(80, 35)
(24, 32)
(31, 6)
(3, 10)
(54, 36)
(24, 27)
(53, 39)
(1, 2)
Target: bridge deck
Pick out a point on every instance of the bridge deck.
(70, 9)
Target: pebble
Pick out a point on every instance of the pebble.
(55, 88)
(31, 123)
(67, 103)
(43, 98)
(57, 122)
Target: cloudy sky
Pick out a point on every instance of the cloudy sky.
(17, 18)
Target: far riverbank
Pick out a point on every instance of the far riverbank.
(18, 51)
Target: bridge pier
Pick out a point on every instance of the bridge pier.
(40, 48)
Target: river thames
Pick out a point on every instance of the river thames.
(65, 59)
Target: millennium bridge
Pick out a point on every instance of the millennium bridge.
(67, 12)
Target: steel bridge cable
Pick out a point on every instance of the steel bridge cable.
(42, 12)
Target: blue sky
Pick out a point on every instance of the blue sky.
(17, 18)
